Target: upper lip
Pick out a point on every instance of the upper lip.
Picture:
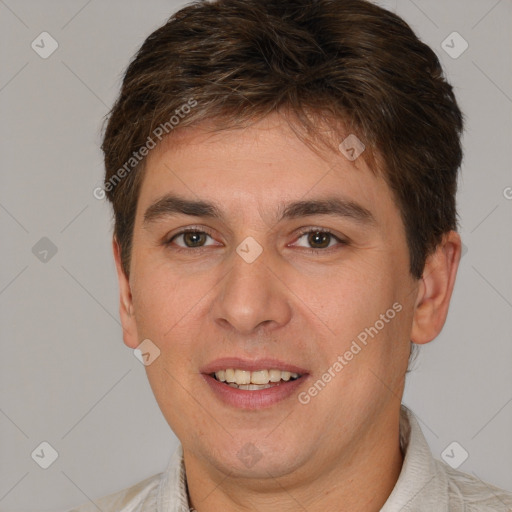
(251, 365)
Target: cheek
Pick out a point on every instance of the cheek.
(361, 314)
(154, 296)
(351, 297)
(163, 296)
(155, 304)
(170, 309)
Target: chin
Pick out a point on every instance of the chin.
(258, 460)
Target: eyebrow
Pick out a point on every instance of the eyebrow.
(172, 205)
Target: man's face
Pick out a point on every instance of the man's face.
(298, 305)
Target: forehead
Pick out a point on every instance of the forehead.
(259, 167)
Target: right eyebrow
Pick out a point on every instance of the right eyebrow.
(171, 205)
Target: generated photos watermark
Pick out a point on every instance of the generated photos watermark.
(137, 156)
(304, 397)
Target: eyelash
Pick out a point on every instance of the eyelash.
(302, 232)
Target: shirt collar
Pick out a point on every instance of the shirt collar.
(173, 493)
(420, 485)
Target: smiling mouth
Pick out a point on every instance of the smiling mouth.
(254, 381)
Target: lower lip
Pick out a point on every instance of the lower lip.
(245, 399)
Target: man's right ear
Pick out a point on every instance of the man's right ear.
(126, 310)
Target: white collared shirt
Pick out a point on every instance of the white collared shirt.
(424, 485)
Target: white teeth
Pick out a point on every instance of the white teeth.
(275, 375)
(260, 378)
(242, 377)
(254, 387)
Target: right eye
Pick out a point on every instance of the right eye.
(189, 238)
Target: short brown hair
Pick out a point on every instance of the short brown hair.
(237, 61)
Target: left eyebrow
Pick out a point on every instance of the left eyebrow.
(171, 205)
(334, 206)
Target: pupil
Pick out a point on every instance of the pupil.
(317, 237)
(195, 237)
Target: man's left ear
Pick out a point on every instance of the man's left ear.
(435, 289)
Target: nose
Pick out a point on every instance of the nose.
(252, 297)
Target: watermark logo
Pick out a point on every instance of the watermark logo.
(249, 250)
(249, 455)
(351, 147)
(147, 352)
(44, 250)
(44, 455)
(454, 45)
(454, 455)
(44, 45)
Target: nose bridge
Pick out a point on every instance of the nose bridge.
(251, 295)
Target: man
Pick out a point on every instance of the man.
(283, 178)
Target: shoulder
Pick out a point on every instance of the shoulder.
(140, 497)
(471, 494)
(427, 483)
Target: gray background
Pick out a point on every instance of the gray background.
(65, 375)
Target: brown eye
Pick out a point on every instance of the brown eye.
(194, 238)
(190, 239)
(319, 239)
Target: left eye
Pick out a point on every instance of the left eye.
(318, 239)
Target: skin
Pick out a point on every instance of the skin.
(340, 451)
